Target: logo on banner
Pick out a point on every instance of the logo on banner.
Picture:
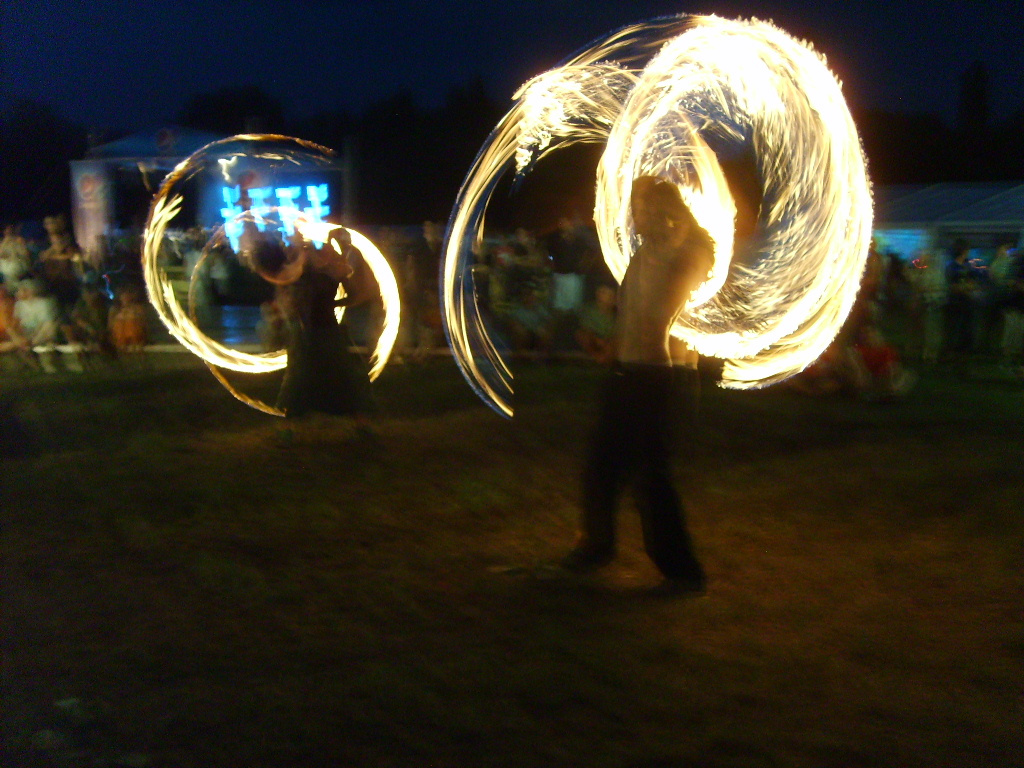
(90, 189)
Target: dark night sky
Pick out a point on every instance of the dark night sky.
(108, 63)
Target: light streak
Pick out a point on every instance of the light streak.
(167, 205)
(660, 96)
(232, 213)
(288, 210)
(227, 165)
(263, 214)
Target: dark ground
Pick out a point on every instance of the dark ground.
(183, 585)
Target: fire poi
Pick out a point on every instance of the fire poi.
(670, 98)
(258, 199)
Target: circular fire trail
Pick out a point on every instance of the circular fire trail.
(675, 98)
(247, 210)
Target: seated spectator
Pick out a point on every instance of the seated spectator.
(530, 323)
(862, 363)
(36, 325)
(596, 330)
(128, 321)
(15, 260)
(881, 373)
(836, 370)
(88, 326)
(7, 342)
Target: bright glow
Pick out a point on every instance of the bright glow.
(274, 207)
(167, 204)
(232, 213)
(259, 207)
(288, 210)
(317, 210)
(661, 96)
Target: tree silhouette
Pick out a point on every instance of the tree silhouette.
(972, 108)
(36, 147)
(973, 160)
(232, 110)
(905, 148)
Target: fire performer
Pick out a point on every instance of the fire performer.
(322, 373)
(634, 437)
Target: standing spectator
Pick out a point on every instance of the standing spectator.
(865, 308)
(197, 272)
(897, 292)
(1012, 342)
(999, 292)
(566, 249)
(988, 302)
(425, 255)
(596, 332)
(431, 332)
(420, 288)
(964, 287)
(999, 272)
(61, 264)
(219, 274)
(530, 254)
(928, 301)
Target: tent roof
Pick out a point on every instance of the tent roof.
(965, 205)
(170, 142)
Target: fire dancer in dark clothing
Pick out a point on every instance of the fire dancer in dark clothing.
(634, 438)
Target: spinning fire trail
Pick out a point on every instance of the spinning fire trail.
(668, 98)
(262, 156)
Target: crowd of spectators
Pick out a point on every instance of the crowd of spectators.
(958, 307)
(58, 309)
(545, 293)
(944, 307)
(549, 293)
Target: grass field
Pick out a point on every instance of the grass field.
(185, 586)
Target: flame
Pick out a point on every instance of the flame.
(659, 95)
(388, 293)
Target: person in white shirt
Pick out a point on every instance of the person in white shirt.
(36, 324)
